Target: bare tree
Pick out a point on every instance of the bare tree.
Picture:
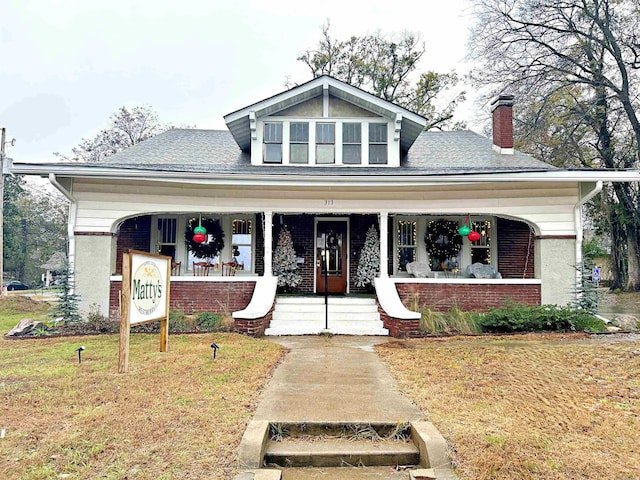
(127, 127)
(585, 50)
(387, 66)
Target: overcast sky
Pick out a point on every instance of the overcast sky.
(67, 65)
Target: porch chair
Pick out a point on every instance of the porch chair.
(418, 270)
(481, 270)
(201, 269)
(176, 268)
(229, 269)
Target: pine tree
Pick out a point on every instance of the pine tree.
(67, 306)
(369, 263)
(284, 261)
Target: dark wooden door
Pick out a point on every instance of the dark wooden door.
(331, 256)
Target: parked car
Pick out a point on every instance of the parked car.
(15, 285)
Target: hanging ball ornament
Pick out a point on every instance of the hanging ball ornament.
(464, 230)
(200, 229)
(473, 236)
(199, 237)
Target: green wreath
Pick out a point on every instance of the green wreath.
(215, 238)
(442, 239)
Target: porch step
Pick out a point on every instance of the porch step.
(297, 315)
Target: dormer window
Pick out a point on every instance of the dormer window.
(377, 144)
(299, 142)
(272, 140)
(325, 143)
(351, 143)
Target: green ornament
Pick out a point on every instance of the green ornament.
(200, 229)
(464, 230)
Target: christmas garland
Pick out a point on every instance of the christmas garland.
(215, 238)
(442, 239)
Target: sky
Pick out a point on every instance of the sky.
(67, 65)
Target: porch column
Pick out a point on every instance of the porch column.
(268, 243)
(384, 244)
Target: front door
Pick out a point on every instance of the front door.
(331, 256)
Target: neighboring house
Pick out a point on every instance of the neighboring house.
(326, 157)
(52, 266)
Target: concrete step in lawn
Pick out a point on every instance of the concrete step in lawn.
(336, 452)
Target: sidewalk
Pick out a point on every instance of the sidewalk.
(333, 379)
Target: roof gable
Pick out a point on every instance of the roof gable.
(240, 121)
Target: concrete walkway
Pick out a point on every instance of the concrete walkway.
(333, 379)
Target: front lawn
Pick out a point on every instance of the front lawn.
(553, 406)
(174, 415)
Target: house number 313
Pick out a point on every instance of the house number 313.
(328, 203)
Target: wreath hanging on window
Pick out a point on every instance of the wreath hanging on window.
(214, 243)
(442, 239)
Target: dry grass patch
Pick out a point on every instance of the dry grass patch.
(529, 407)
(174, 415)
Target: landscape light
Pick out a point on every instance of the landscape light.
(80, 349)
(215, 349)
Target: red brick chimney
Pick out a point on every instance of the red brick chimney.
(502, 108)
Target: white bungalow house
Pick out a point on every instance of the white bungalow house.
(321, 158)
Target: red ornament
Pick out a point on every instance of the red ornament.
(199, 238)
(473, 236)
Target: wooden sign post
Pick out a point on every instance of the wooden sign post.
(144, 298)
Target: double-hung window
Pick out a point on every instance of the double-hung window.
(407, 243)
(351, 143)
(377, 144)
(241, 237)
(481, 249)
(272, 143)
(299, 142)
(325, 143)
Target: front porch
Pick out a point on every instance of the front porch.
(509, 246)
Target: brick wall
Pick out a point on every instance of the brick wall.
(134, 233)
(516, 249)
(468, 296)
(195, 297)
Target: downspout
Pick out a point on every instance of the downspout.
(71, 222)
(577, 213)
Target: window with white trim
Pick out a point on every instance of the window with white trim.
(325, 143)
(378, 144)
(406, 242)
(167, 236)
(299, 142)
(242, 242)
(481, 249)
(351, 143)
(272, 143)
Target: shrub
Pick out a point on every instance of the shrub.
(178, 322)
(514, 317)
(589, 323)
(208, 321)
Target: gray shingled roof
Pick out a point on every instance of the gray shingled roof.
(215, 151)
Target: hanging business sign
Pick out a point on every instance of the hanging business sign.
(144, 297)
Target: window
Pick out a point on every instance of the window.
(167, 228)
(242, 243)
(406, 243)
(351, 143)
(325, 143)
(299, 142)
(377, 143)
(272, 140)
(481, 249)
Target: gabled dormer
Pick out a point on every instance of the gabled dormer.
(325, 122)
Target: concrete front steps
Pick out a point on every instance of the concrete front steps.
(298, 315)
(341, 451)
